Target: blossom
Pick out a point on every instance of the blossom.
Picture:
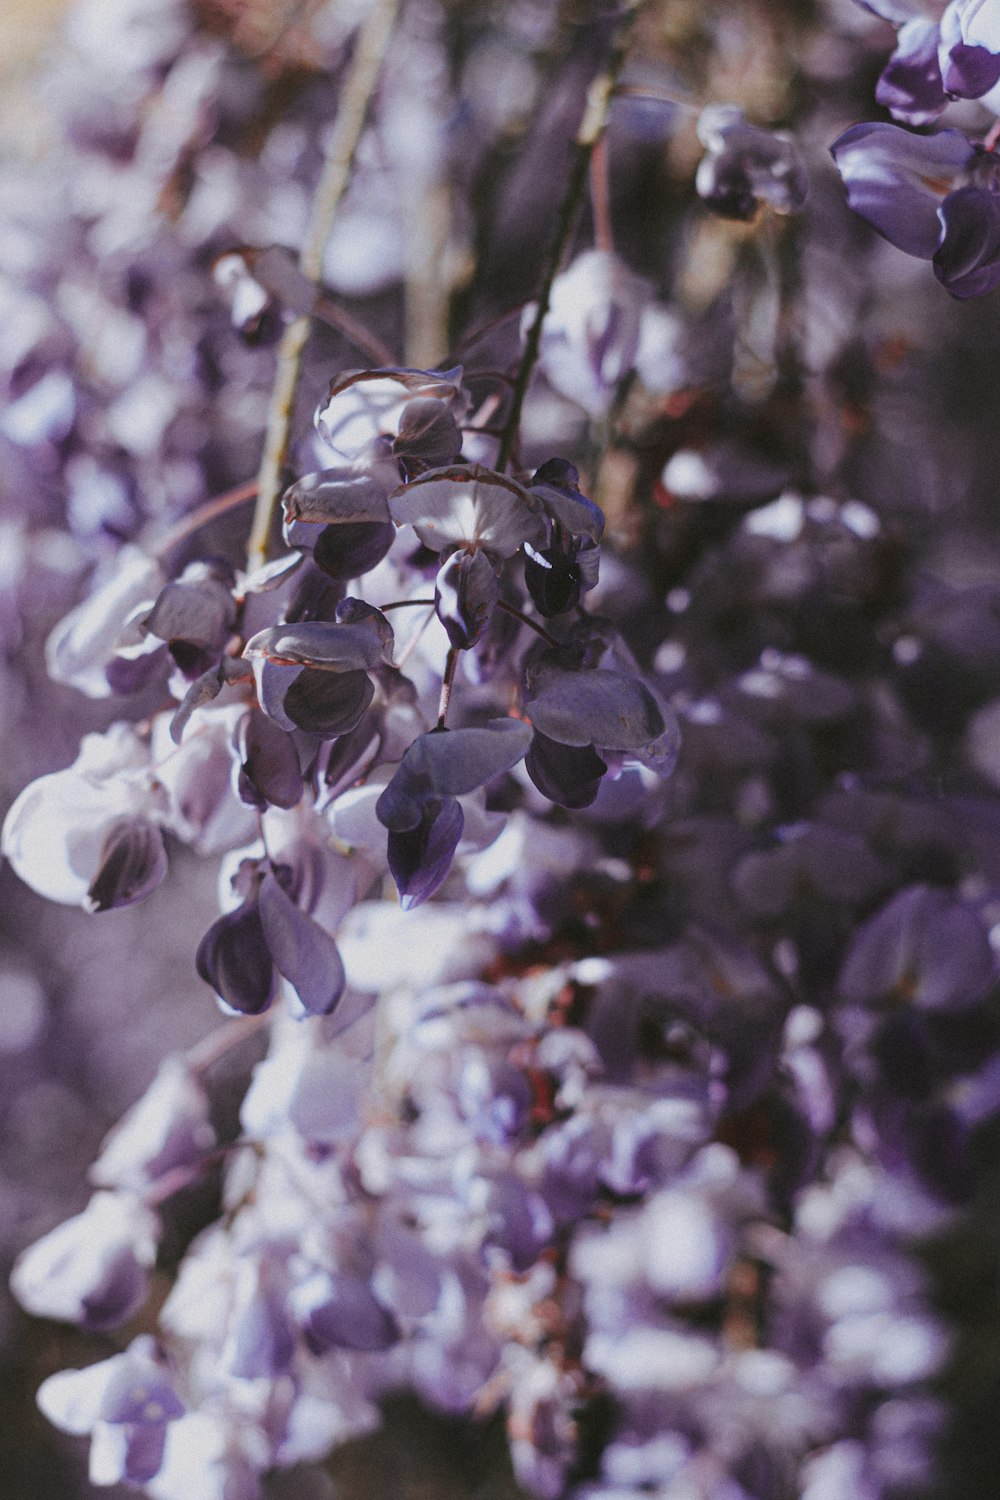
(932, 196)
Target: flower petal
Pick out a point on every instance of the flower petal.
(303, 952)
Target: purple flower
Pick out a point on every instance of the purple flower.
(746, 166)
(935, 196)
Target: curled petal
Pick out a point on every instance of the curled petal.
(428, 436)
(347, 551)
(303, 952)
(133, 862)
(328, 703)
(234, 958)
(420, 857)
(569, 775)
(331, 647)
(335, 497)
(469, 506)
(369, 404)
(910, 86)
(449, 763)
(597, 707)
(270, 771)
(465, 591)
(967, 261)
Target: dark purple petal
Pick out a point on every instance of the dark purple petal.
(967, 261)
(328, 703)
(200, 613)
(133, 863)
(910, 86)
(569, 775)
(552, 578)
(449, 763)
(233, 957)
(465, 592)
(350, 550)
(428, 436)
(420, 857)
(555, 483)
(598, 707)
(302, 950)
(270, 770)
(970, 72)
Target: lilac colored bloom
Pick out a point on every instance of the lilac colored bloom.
(591, 333)
(934, 196)
(124, 1404)
(910, 86)
(94, 1268)
(746, 166)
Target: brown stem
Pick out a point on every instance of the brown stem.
(366, 64)
(600, 196)
(202, 515)
(330, 312)
(510, 609)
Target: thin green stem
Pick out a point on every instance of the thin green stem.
(592, 125)
(366, 64)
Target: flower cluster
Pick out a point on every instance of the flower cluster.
(600, 795)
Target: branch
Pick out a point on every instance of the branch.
(595, 118)
(366, 64)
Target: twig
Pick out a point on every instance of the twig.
(600, 196)
(206, 1053)
(330, 312)
(202, 515)
(359, 87)
(595, 118)
(511, 609)
(450, 665)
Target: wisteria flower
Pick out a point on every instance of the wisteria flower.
(746, 166)
(935, 60)
(935, 196)
(591, 331)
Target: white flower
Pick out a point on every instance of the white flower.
(93, 1268)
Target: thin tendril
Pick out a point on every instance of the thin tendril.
(201, 516)
(510, 609)
(595, 118)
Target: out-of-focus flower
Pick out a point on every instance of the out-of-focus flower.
(746, 166)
